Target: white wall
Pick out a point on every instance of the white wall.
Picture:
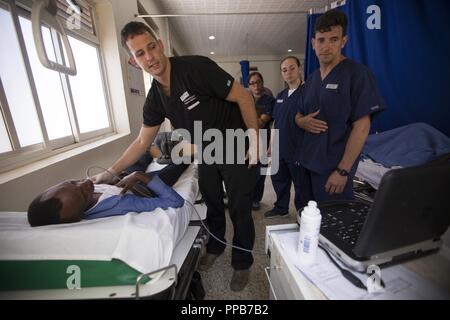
(169, 38)
(19, 187)
(176, 42)
(268, 66)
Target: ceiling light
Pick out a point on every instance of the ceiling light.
(290, 50)
(212, 52)
(211, 37)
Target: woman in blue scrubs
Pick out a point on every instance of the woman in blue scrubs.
(338, 102)
(264, 102)
(284, 111)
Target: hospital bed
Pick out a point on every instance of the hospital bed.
(148, 255)
(416, 144)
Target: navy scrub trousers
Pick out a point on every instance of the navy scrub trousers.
(236, 178)
(285, 109)
(288, 173)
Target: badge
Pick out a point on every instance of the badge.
(184, 96)
(194, 105)
(189, 101)
(332, 86)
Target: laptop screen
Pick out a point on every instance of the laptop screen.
(412, 205)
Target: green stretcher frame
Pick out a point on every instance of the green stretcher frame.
(56, 274)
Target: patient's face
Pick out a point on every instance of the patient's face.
(76, 197)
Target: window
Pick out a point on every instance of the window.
(5, 144)
(16, 86)
(43, 110)
(48, 85)
(89, 100)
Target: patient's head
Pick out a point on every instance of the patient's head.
(65, 202)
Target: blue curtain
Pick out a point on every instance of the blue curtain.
(311, 62)
(245, 69)
(409, 55)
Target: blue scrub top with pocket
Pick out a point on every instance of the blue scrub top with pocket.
(264, 105)
(284, 111)
(348, 93)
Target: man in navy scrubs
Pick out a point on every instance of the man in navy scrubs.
(338, 102)
(194, 88)
(264, 102)
(286, 106)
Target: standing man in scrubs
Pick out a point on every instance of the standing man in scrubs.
(194, 88)
(338, 102)
(264, 102)
(284, 111)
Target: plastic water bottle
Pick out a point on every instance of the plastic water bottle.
(309, 233)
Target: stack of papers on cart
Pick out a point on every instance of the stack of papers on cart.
(400, 282)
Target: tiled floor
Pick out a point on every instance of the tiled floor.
(216, 281)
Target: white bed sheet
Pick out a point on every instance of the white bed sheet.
(371, 172)
(145, 241)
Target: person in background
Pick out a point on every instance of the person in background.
(338, 101)
(264, 104)
(285, 108)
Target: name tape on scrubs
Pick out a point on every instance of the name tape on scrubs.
(332, 86)
(375, 108)
(190, 101)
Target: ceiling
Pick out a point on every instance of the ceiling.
(274, 27)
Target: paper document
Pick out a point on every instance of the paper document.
(400, 282)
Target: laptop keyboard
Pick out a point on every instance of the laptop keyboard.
(344, 220)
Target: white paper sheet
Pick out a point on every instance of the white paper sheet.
(400, 282)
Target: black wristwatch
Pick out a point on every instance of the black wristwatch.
(342, 172)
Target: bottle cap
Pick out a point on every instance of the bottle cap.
(312, 204)
(311, 208)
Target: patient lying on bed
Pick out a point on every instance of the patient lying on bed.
(72, 201)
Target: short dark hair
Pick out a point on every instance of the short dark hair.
(134, 28)
(255, 73)
(290, 57)
(44, 212)
(330, 19)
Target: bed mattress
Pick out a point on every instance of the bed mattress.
(108, 251)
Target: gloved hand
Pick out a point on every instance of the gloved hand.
(105, 177)
(131, 181)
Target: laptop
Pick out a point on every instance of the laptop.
(409, 214)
